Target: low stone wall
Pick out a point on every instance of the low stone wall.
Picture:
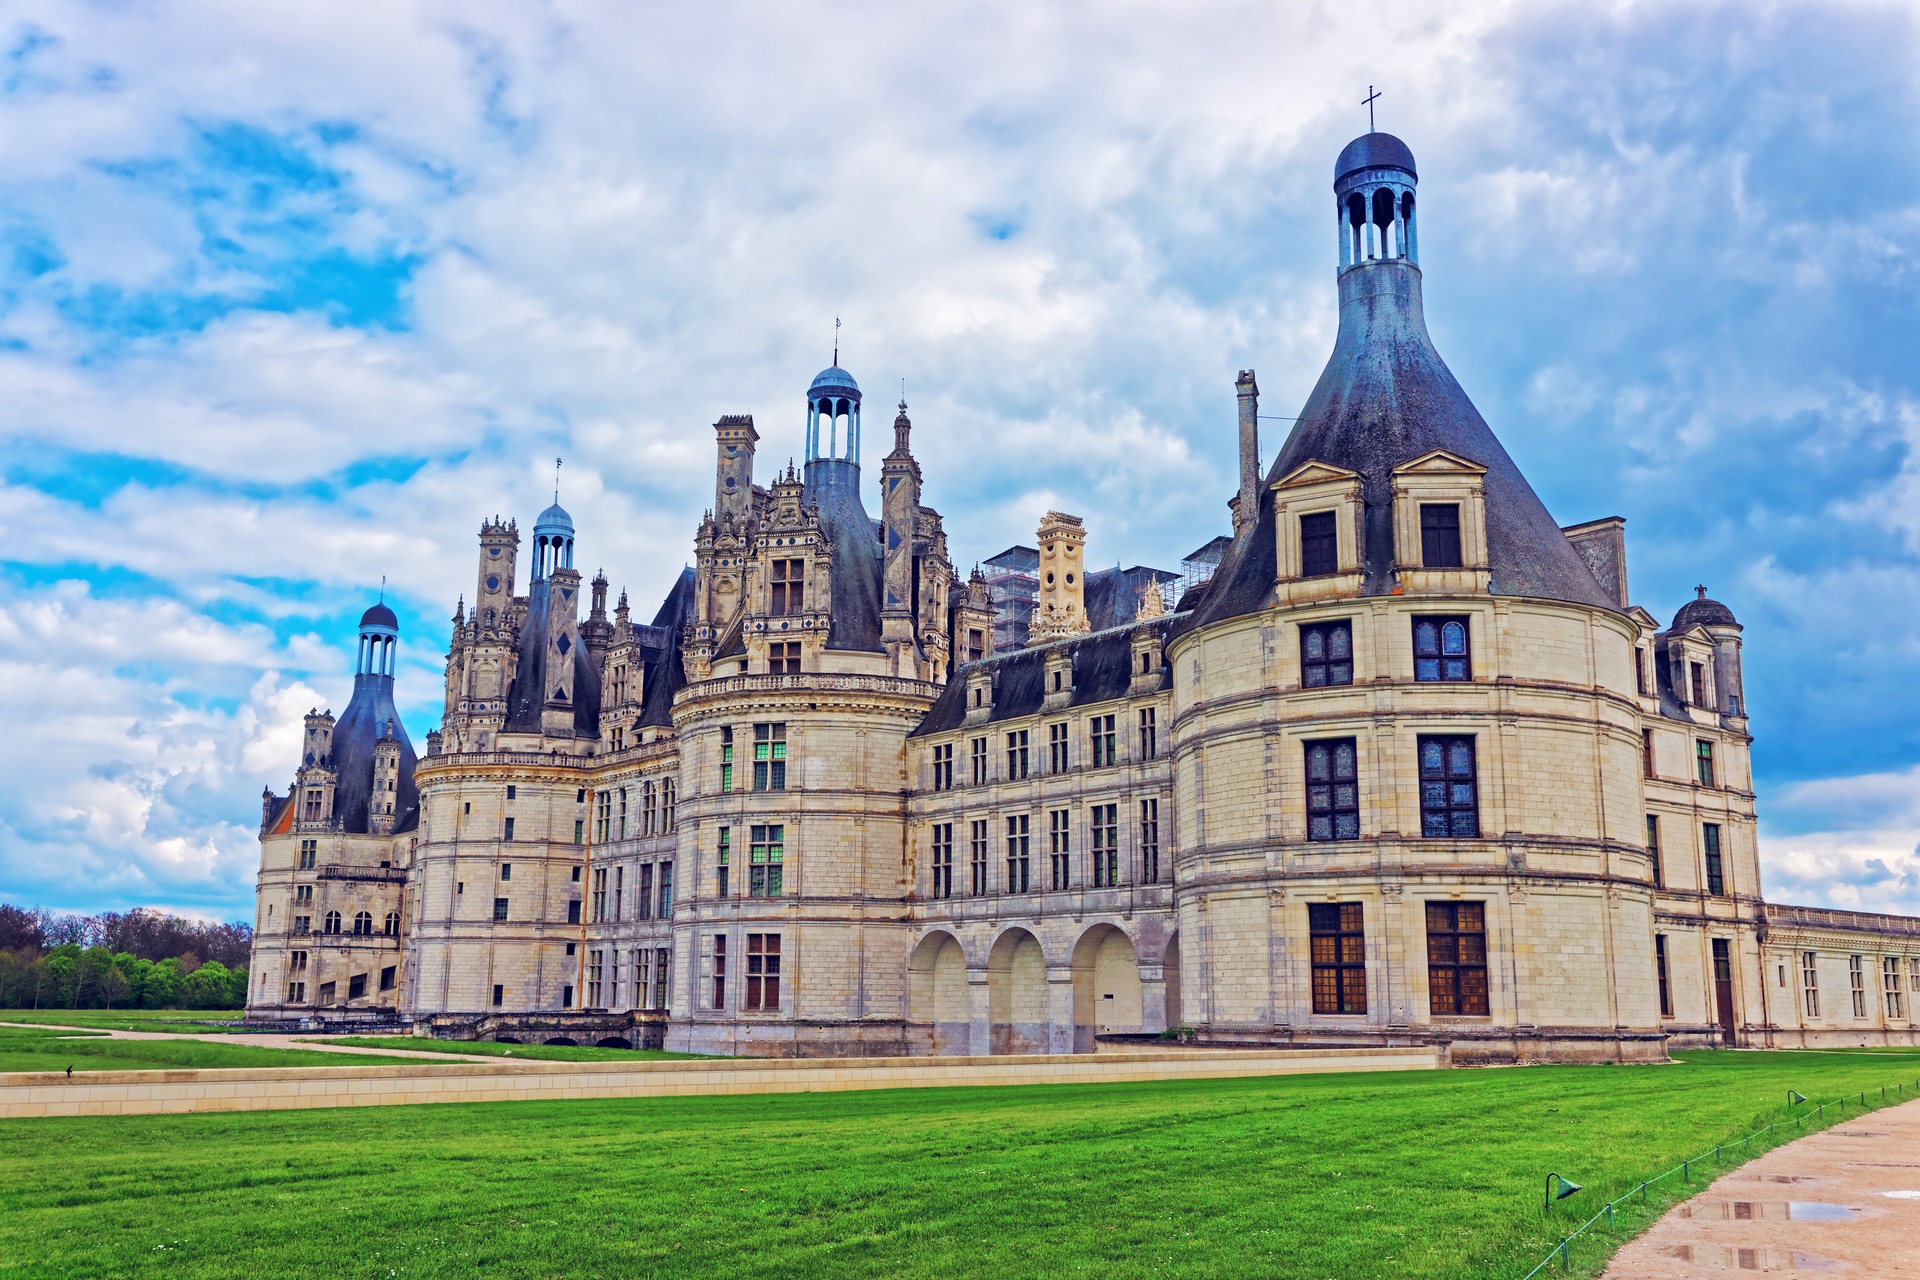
(393, 1084)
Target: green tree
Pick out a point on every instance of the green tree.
(165, 984)
(63, 978)
(114, 986)
(209, 986)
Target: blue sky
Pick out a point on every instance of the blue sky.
(291, 301)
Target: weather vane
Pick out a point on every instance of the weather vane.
(836, 342)
(1369, 100)
(556, 480)
(383, 588)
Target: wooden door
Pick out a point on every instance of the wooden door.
(1723, 987)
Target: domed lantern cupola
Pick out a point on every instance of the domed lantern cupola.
(833, 398)
(1373, 182)
(379, 638)
(552, 542)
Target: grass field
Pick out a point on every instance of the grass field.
(1388, 1175)
(491, 1049)
(35, 1049)
(183, 1020)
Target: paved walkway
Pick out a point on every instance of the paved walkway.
(1843, 1202)
(271, 1040)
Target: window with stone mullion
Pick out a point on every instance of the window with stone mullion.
(1449, 787)
(1333, 790)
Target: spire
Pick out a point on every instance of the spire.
(902, 427)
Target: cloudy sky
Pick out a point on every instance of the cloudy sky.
(293, 295)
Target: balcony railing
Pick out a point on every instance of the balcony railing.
(1826, 918)
(807, 682)
(368, 875)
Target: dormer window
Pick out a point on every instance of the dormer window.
(789, 587)
(1699, 682)
(1440, 535)
(1319, 545)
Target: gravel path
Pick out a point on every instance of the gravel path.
(278, 1040)
(1845, 1201)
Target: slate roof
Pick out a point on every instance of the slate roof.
(663, 675)
(1384, 399)
(1703, 612)
(1113, 595)
(1102, 672)
(833, 485)
(360, 726)
(528, 695)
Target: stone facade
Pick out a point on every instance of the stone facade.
(1405, 767)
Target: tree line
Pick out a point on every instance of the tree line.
(139, 959)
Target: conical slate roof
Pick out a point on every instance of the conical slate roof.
(1385, 398)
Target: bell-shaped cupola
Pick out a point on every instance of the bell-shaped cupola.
(552, 542)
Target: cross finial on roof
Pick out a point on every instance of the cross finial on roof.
(1369, 100)
(1700, 593)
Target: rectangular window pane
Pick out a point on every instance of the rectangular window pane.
(1440, 535)
(1018, 836)
(1457, 958)
(1337, 941)
(1449, 787)
(1710, 841)
(1319, 550)
(1333, 790)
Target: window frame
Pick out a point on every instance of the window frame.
(942, 860)
(1810, 983)
(979, 839)
(766, 858)
(1103, 822)
(763, 974)
(1104, 741)
(1653, 851)
(1450, 807)
(1150, 840)
(1324, 796)
(1018, 745)
(1328, 670)
(1060, 848)
(1443, 669)
(943, 766)
(1457, 964)
(1660, 974)
(1442, 544)
(1713, 857)
(770, 756)
(1019, 852)
(1703, 761)
(1319, 533)
(1149, 733)
(1337, 949)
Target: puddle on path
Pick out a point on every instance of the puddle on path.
(1731, 1258)
(1767, 1211)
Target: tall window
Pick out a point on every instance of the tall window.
(579, 830)
(666, 890)
(507, 831)
(1890, 984)
(1150, 841)
(1060, 846)
(1653, 851)
(603, 817)
(1810, 982)
(1646, 754)
(1710, 842)
(763, 971)
(309, 853)
(393, 924)
(499, 911)
(770, 757)
(1699, 683)
(726, 758)
(623, 813)
(1326, 654)
(1857, 978)
(1149, 734)
(1017, 755)
(768, 848)
(723, 862)
(1017, 863)
(1056, 748)
(647, 792)
(977, 855)
(1660, 974)
(1333, 790)
(977, 750)
(943, 859)
(1319, 549)
(594, 964)
(976, 644)
(789, 587)
(943, 766)
(619, 892)
(1703, 756)
(719, 970)
(1104, 740)
(1440, 535)
(1105, 820)
(363, 924)
(1457, 957)
(783, 658)
(599, 898)
(313, 807)
(1640, 671)
(1339, 946)
(643, 900)
(1913, 973)
(1449, 793)
(666, 806)
(662, 971)
(1440, 649)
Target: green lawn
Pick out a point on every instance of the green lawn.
(35, 1049)
(1418, 1174)
(187, 1020)
(491, 1049)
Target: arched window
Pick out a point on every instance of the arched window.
(393, 924)
(363, 924)
(333, 922)
(1326, 654)
(1441, 649)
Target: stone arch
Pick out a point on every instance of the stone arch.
(1017, 994)
(937, 992)
(1171, 968)
(1106, 985)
